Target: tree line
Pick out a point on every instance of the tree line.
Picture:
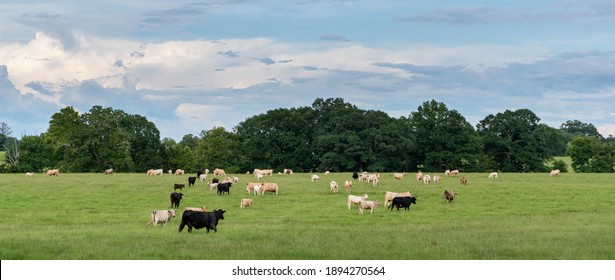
(331, 134)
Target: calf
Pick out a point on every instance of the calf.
(368, 204)
(403, 201)
(191, 181)
(224, 188)
(257, 189)
(245, 203)
(175, 199)
(199, 220)
(161, 217)
(348, 186)
(449, 196)
(463, 180)
(334, 186)
(178, 186)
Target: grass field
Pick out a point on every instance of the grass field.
(516, 216)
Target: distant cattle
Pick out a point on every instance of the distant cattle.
(355, 175)
(245, 203)
(219, 172)
(178, 186)
(269, 187)
(224, 188)
(348, 186)
(108, 171)
(554, 173)
(493, 175)
(215, 180)
(179, 172)
(399, 176)
(199, 173)
(419, 176)
(436, 178)
(426, 179)
(257, 189)
(202, 177)
(288, 171)
(175, 199)
(355, 199)
(52, 172)
(388, 196)
(315, 178)
(463, 180)
(334, 186)
(29, 174)
(191, 181)
(212, 186)
(449, 196)
(161, 217)
(199, 220)
(403, 202)
(453, 173)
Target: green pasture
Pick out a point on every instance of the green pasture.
(516, 216)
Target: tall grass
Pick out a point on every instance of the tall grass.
(517, 216)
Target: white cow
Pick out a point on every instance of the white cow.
(161, 217)
(334, 186)
(426, 179)
(493, 175)
(315, 178)
(203, 177)
(355, 199)
(554, 173)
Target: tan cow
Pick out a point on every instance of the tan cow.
(348, 186)
(29, 174)
(197, 209)
(554, 173)
(463, 180)
(493, 175)
(449, 196)
(399, 176)
(355, 199)
(219, 172)
(368, 204)
(161, 217)
(109, 171)
(245, 203)
(334, 186)
(453, 173)
(269, 187)
(52, 172)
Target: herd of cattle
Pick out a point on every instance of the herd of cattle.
(200, 217)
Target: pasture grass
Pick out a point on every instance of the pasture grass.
(516, 216)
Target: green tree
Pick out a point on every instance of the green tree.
(68, 135)
(218, 148)
(589, 154)
(107, 143)
(143, 136)
(514, 141)
(444, 139)
(36, 153)
(5, 133)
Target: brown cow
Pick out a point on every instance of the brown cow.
(463, 180)
(449, 196)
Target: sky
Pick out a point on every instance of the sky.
(189, 66)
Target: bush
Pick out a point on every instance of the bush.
(559, 164)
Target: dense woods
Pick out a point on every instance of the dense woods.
(331, 134)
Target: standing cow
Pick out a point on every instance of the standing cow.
(175, 199)
(199, 220)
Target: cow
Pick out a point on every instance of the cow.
(327, 172)
(108, 171)
(388, 196)
(315, 178)
(403, 201)
(191, 181)
(178, 186)
(348, 186)
(334, 186)
(161, 217)
(179, 172)
(200, 209)
(215, 180)
(199, 220)
(224, 188)
(199, 173)
(355, 175)
(426, 179)
(212, 186)
(493, 175)
(257, 189)
(554, 173)
(368, 204)
(52, 172)
(219, 172)
(463, 180)
(453, 173)
(436, 178)
(449, 196)
(355, 199)
(399, 176)
(447, 172)
(202, 177)
(175, 199)
(158, 172)
(150, 172)
(29, 174)
(269, 187)
(288, 171)
(245, 203)
(419, 176)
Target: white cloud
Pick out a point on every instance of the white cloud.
(606, 130)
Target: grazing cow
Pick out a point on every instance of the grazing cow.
(178, 186)
(554, 173)
(315, 178)
(269, 187)
(447, 172)
(158, 172)
(436, 178)
(449, 196)
(191, 181)
(199, 220)
(388, 196)
(399, 176)
(245, 203)
(150, 172)
(175, 199)
(235, 179)
(403, 201)
(288, 171)
(493, 175)
(355, 199)
(334, 187)
(52, 172)
(219, 172)
(206, 171)
(259, 176)
(200, 209)
(257, 189)
(108, 171)
(355, 175)
(368, 204)
(453, 173)
(348, 186)
(202, 177)
(212, 186)
(29, 174)
(179, 172)
(327, 172)
(419, 176)
(161, 217)
(224, 188)
(426, 179)
(170, 171)
(463, 180)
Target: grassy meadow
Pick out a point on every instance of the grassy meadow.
(516, 216)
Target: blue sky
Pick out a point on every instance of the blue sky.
(190, 66)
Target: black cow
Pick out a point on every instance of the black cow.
(403, 201)
(224, 188)
(178, 186)
(215, 180)
(191, 181)
(355, 175)
(199, 220)
(198, 173)
(176, 198)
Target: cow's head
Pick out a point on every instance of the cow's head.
(219, 214)
(172, 212)
(412, 200)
